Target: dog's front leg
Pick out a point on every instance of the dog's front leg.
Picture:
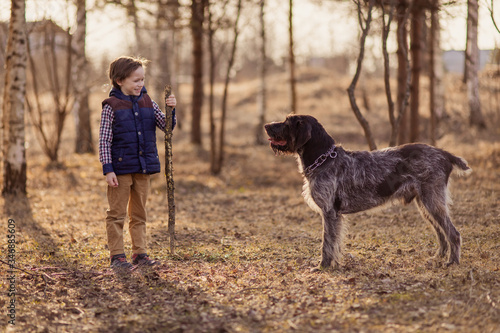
(332, 239)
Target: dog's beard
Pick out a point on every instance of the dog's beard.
(280, 149)
(278, 143)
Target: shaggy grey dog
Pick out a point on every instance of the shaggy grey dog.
(338, 181)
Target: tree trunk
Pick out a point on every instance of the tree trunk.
(467, 50)
(291, 62)
(475, 117)
(14, 153)
(436, 89)
(211, 117)
(59, 88)
(81, 108)
(132, 13)
(159, 69)
(197, 18)
(226, 86)
(403, 76)
(416, 56)
(261, 97)
(352, 99)
(386, 28)
(167, 13)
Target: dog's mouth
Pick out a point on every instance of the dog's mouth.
(277, 142)
(278, 146)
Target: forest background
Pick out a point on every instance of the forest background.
(245, 238)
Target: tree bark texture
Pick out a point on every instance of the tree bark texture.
(211, 115)
(436, 88)
(467, 52)
(475, 115)
(416, 56)
(403, 75)
(14, 153)
(197, 18)
(261, 97)
(81, 108)
(169, 171)
(291, 61)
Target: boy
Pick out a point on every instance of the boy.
(128, 153)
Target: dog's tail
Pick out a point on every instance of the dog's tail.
(459, 164)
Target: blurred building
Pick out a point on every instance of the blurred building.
(454, 60)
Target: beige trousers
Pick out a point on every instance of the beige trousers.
(132, 193)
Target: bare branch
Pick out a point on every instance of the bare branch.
(352, 99)
(386, 28)
(493, 16)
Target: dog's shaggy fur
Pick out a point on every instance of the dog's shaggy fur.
(338, 181)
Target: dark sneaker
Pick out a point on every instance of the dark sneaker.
(120, 261)
(143, 260)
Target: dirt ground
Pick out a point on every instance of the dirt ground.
(246, 241)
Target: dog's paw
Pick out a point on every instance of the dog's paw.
(317, 269)
(434, 262)
(321, 268)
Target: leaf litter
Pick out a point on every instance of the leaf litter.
(246, 242)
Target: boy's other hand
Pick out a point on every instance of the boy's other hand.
(171, 101)
(111, 179)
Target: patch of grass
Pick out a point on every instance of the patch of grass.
(246, 242)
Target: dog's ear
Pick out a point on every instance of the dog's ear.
(303, 131)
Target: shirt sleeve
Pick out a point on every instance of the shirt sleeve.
(160, 117)
(106, 139)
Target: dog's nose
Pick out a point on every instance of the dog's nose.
(266, 126)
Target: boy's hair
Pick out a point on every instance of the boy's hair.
(123, 66)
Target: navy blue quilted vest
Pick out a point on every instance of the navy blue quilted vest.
(133, 149)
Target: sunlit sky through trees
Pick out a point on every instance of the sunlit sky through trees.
(320, 30)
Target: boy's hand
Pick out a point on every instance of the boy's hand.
(111, 179)
(171, 101)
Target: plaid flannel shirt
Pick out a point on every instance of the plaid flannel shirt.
(106, 130)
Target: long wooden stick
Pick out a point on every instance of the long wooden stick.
(169, 171)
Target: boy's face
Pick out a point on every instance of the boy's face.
(133, 84)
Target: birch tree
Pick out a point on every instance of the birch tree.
(14, 154)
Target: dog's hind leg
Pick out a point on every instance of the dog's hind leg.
(436, 203)
(333, 233)
(443, 243)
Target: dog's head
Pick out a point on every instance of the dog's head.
(291, 135)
